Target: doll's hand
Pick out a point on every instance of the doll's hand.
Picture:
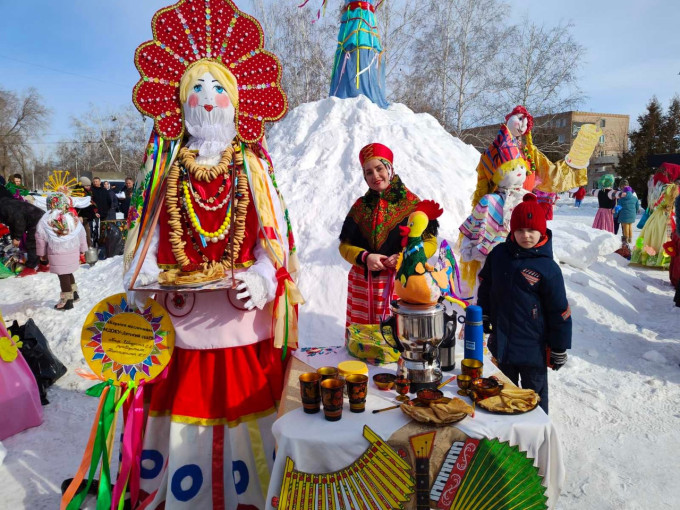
(252, 290)
(374, 262)
(244, 296)
(139, 297)
(391, 261)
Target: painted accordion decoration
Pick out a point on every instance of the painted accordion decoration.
(488, 474)
(378, 480)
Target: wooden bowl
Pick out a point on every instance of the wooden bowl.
(429, 395)
(384, 381)
(485, 387)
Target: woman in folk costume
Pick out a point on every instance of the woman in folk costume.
(60, 236)
(649, 248)
(606, 201)
(359, 66)
(209, 84)
(370, 239)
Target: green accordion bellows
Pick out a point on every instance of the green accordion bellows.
(500, 477)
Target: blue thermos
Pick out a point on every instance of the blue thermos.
(474, 333)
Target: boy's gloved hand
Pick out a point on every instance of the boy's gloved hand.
(486, 324)
(557, 359)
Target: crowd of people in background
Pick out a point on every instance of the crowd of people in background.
(619, 207)
(20, 217)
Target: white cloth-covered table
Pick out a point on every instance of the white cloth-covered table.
(320, 446)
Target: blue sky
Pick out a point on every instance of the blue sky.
(80, 52)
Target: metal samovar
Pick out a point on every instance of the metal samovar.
(416, 332)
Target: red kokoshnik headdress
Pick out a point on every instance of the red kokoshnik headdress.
(208, 30)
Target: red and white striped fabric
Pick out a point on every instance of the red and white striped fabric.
(366, 301)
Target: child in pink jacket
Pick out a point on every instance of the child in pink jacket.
(61, 237)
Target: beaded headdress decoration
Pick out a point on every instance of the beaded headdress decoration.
(208, 30)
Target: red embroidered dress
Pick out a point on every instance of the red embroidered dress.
(220, 190)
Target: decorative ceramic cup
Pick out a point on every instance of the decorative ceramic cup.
(472, 367)
(357, 387)
(332, 397)
(328, 372)
(310, 391)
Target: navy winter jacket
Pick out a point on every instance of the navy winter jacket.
(522, 292)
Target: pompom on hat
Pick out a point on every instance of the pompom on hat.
(521, 110)
(528, 214)
(375, 150)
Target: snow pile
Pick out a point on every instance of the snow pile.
(579, 245)
(316, 158)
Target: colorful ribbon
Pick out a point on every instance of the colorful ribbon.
(131, 447)
(96, 450)
(286, 332)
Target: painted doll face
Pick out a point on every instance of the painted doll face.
(517, 124)
(208, 93)
(376, 174)
(209, 114)
(514, 178)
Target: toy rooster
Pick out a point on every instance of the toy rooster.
(417, 282)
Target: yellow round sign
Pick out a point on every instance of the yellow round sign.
(125, 344)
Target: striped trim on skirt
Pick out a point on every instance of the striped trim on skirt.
(361, 291)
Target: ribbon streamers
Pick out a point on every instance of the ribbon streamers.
(95, 452)
(99, 449)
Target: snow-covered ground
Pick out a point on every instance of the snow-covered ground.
(615, 403)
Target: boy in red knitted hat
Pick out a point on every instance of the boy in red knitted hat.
(522, 294)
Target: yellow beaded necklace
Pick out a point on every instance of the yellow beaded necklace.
(177, 194)
(214, 237)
